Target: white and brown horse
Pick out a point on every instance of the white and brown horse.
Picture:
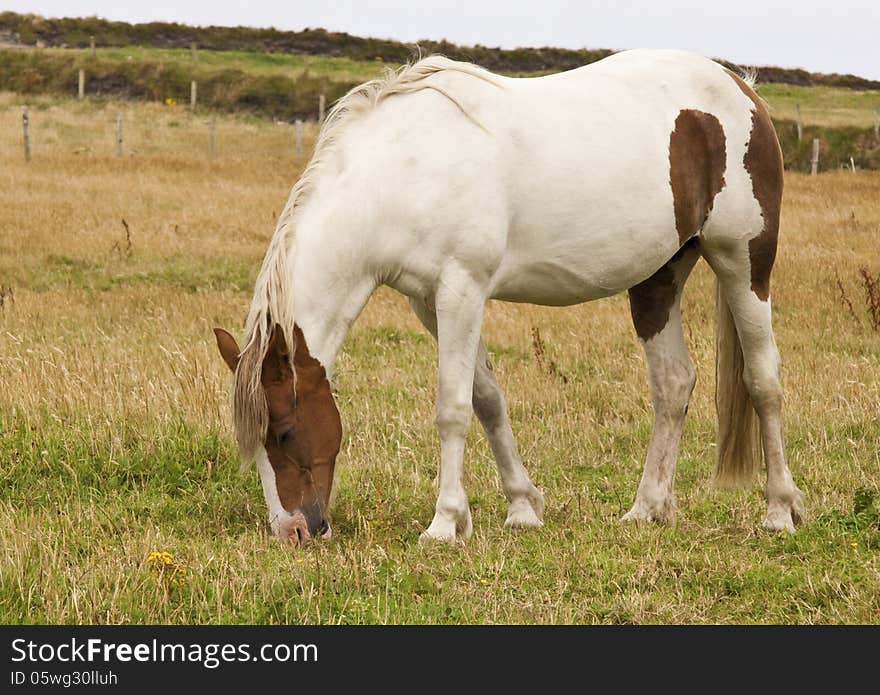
(455, 186)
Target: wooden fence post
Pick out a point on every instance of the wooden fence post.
(212, 142)
(815, 161)
(322, 103)
(193, 92)
(25, 125)
(877, 123)
(119, 133)
(298, 137)
(800, 125)
(92, 46)
(81, 90)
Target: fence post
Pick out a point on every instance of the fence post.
(322, 102)
(25, 125)
(92, 46)
(81, 91)
(119, 133)
(212, 142)
(193, 92)
(877, 123)
(298, 136)
(852, 164)
(800, 125)
(815, 161)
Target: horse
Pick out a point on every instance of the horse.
(454, 185)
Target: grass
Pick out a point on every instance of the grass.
(336, 69)
(115, 440)
(822, 106)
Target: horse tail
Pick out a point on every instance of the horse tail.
(739, 442)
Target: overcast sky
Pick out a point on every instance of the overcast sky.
(835, 36)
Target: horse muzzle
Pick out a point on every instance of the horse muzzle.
(298, 528)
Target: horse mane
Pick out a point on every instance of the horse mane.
(273, 296)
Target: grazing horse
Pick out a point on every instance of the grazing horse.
(454, 186)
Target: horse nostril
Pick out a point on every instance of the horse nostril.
(299, 534)
(324, 527)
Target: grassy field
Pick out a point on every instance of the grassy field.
(822, 106)
(336, 69)
(115, 443)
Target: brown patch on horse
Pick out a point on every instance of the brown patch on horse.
(651, 300)
(763, 162)
(697, 160)
(304, 432)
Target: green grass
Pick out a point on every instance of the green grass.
(117, 270)
(181, 491)
(834, 106)
(111, 496)
(335, 69)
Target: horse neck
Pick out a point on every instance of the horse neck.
(330, 289)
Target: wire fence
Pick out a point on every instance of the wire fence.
(50, 129)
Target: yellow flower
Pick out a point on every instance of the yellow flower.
(484, 581)
(160, 558)
(166, 568)
(854, 544)
(169, 101)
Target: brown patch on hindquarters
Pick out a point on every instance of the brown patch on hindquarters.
(651, 300)
(763, 162)
(697, 159)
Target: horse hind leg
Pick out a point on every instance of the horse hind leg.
(748, 303)
(655, 305)
(525, 501)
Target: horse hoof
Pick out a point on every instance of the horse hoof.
(426, 537)
(522, 514)
(447, 529)
(658, 513)
(777, 523)
(785, 515)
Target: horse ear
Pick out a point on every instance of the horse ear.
(301, 356)
(276, 363)
(277, 344)
(228, 348)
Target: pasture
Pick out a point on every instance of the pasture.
(115, 443)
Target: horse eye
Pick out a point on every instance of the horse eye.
(284, 437)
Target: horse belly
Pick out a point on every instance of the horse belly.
(587, 224)
(562, 275)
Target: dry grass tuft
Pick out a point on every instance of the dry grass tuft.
(872, 297)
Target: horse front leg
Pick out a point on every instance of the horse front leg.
(525, 501)
(459, 311)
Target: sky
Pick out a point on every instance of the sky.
(838, 36)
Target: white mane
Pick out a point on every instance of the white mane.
(273, 296)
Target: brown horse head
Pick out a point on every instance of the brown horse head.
(303, 433)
